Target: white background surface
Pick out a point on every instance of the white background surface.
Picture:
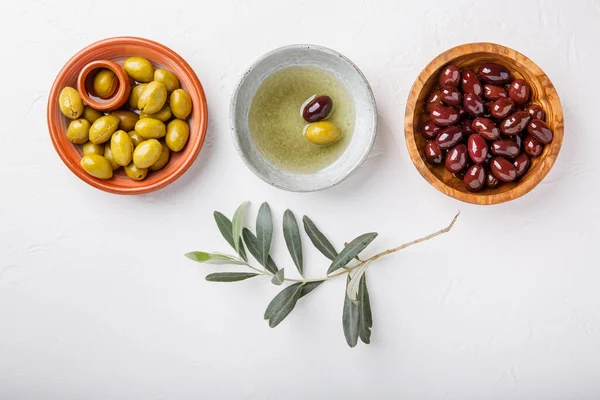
(98, 302)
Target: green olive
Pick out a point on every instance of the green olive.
(139, 68)
(178, 133)
(181, 104)
(78, 131)
(167, 78)
(97, 166)
(147, 153)
(128, 119)
(121, 147)
(109, 156)
(150, 128)
(323, 133)
(91, 148)
(90, 114)
(70, 103)
(134, 96)
(163, 115)
(105, 83)
(153, 98)
(135, 173)
(162, 160)
(103, 128)
(135, 138)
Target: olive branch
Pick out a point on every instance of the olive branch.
(357, 319)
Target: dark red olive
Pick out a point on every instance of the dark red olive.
(503, 169)
(317, 109)
(515, 123)
(491, 181)
(493, 73)
(433, 154)
(448, 137)
(486, 128)
(467, 126)
(539, 130)
(430, 130)
(450, 76)
(434, 99)
(536, 112)
(493, 92)
(477, 148)
(444, 116)
(474, 179)
(532, 146)
(456, 159)
(519, 91)
(470, 83)
(506, 148)
(522, 163)
(473, 104)
(502, 107)
(451, 96)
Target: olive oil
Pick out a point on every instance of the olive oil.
(276, 124)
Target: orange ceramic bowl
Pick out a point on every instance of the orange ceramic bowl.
(118, 49)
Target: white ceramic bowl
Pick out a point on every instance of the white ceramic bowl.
(365, 125)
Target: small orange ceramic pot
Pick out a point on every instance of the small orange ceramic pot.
(85, 86)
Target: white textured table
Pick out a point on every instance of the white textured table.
(98, 302)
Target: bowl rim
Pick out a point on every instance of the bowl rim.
(235, 134)
(410, 130)
(140, 186)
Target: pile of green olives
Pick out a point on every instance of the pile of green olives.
(141, 136)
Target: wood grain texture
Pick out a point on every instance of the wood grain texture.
(542, 93)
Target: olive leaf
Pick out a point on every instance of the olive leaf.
(278, 277)
(318, 239)
(252, 243)
(350, 319)
(309, 287)
(283, 304)
(225, 227)
(353, 285)
(291, 234)
(213, 258)
(238, 223)
(351, 250)
(264, 232)
(365, 320)
(230, 276)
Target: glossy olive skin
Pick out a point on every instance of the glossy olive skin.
(449, 76)
(147, 153)
(78, 131)
(121, 147)
(467, 126)
(536, 112)
(70, 103)
(429, 130)
(90, 114)
(474, 179)
(434, 100)
(163, 115)
(150, 128)
(127, 119)
(433, 154)
(91, 148)
(522, 164)
(514, 123)
(109, 156)
(163, 159)
(491, 181)
(167, 78)
(506, 148)
(139, 68)
(486, 128)
(317, 109)
(540, 131)
(97, 166)
(135, 173)
(532, 146)
(493, 92)
(493, 73)
(178, 133)
(135, 137)
(478, 149)
(473, 105)
(470, 83)
(503, 169)
(451, 97)
(502, 107)
(153, 98)
(456, 159)
(105, 83)
(135, 94)
(519, 91)
(180, 103)
(103, 128)
(448, 137)
(444, 116)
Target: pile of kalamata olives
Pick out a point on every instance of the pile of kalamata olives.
(483, 126)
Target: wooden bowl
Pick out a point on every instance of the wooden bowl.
(542, 93)
(118, 49)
